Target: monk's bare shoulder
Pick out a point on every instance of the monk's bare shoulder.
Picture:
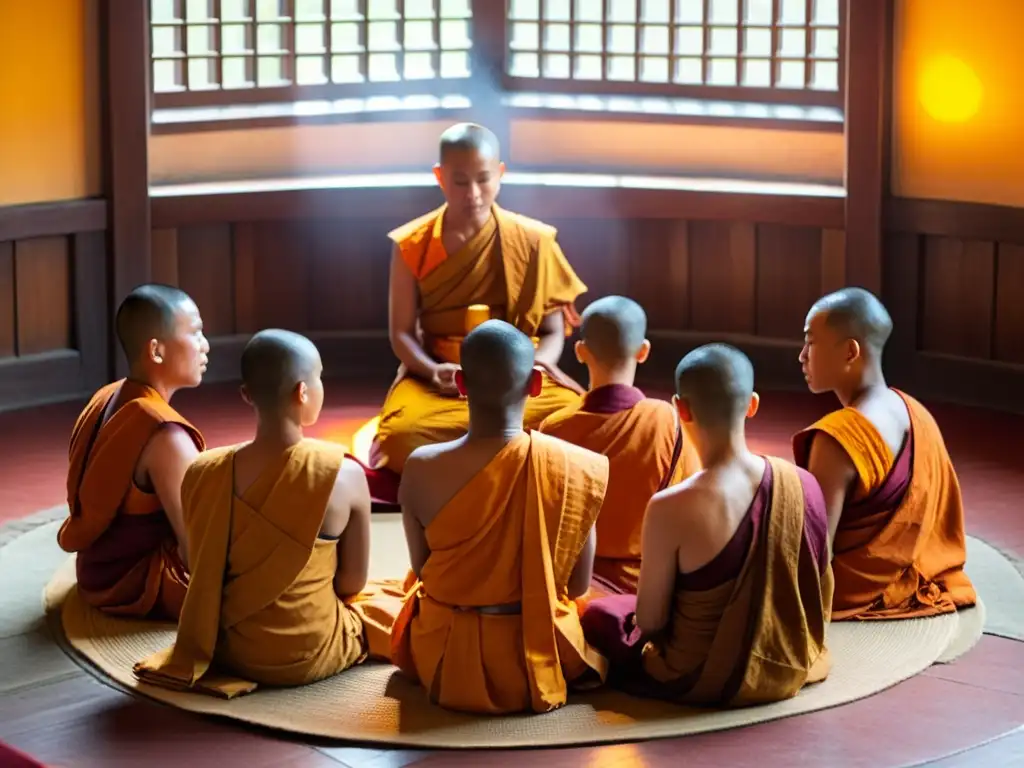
(686, 502)
(888, 413)
(351, 481)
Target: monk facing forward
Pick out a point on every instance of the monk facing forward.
(895, 515)
(735, 584)
(278, 533)
(641, 437)
(464, 263)
(128, 453)
(500, 527)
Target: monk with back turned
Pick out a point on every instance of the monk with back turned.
(453, 268)
(641, 437)
(128, 454)
(735, 584)
(895, 514)
(499, 525)
(279, 539)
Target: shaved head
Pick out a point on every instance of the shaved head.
(469, 137)
(717, 382)
(273, 364)
(857, 314)
(497, 363)
(614, 328)
(148, 312)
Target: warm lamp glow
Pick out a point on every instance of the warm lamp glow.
(363, 439)
(950, 91)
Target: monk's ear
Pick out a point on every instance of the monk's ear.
(644, 352)
(536, 382)
(460, 382)
(683, 409)
(302, 392)
(580, 348)
(755, 403)
(155, 351)
(437, 174)
(244, 392)
(501, 169)
(853, 350)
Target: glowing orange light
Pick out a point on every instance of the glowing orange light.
(949, 90)
(363, 439)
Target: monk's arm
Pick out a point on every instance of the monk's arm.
(354, 542)
(164, 461)
(552, 338)
(583, 571)
(415, 535)
(403, 313)
(835, 473)
(659, 567)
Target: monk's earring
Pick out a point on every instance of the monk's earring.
(157, 359)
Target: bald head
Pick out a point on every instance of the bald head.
(613, 328)
(273, 364)
(856, 314)
(497, 363)
(149, 312)
(717, 381)
(469, 137)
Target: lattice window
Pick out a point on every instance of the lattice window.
(235, 46)
(777, 47)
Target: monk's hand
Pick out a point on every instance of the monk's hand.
(443, 379)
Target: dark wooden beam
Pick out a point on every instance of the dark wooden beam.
(968, 221)
(20, 222)
(868, 98)
(126, 27)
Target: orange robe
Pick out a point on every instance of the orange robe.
(512, 270)
(508, 542)
(747, 628)
(900, 547)
(647, 453)
(261, 608)
(128, 562)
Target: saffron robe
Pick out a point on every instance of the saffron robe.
(647, 453)
(128, 562)
(508, 540)
(261, 607)
(745, 636)
(511, 270)
(900, 548)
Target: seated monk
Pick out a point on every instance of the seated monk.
(895, 516)
(735, 584)
(279, 535)
(641, 437)
(459, 265)
(128, 453)
(500, 528)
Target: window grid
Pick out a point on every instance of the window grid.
(230, 51)
(765, 50)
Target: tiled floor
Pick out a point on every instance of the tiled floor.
(967, 713)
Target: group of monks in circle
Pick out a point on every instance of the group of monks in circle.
(559, 538)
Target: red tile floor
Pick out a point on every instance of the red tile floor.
(967, 713)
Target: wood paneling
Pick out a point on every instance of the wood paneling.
(165, 256)
(22, 222)
(658, 266)
(243, 253)
(281, 269)
(723, 263)
(789, 269)
(92, 311)
(206, 273)
(1009, 316)
(833, 260)
(42, 295)
(348, 275)
(600, 252)
(957, 297)
(8, 336)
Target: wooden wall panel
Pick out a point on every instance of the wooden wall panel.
(348, 276)
(243, 238)
(957, 297)
(722, 276)
(7, 307)
(833, 260)
(789, 269)
(206, 273)
(165, 256)
(658, 268)
(599, 251)
(281, 276)
(43, 298)
(1008, 339)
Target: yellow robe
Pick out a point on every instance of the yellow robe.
(261, 607)
(512, 270)
(511, 536)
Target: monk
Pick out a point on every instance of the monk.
(641, 437)
(500, 528)
(279, 536)
(459, 265)
(128, 453)
(895, 515)
(735, 585)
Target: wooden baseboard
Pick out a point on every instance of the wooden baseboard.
(50, 377)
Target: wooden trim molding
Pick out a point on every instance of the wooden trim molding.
(970, 221)
(49, 377)
(21, 222)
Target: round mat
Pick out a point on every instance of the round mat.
(374, 703)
